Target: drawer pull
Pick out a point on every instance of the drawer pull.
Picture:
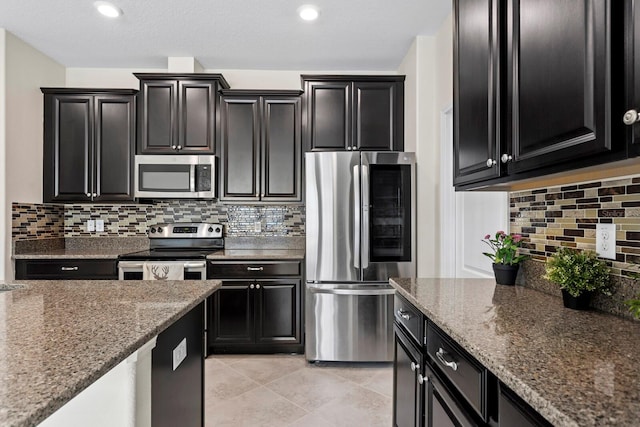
(422, 380)
(440, 355)
(404, 314)
(255, 268)
(69, 268)
(414, 366)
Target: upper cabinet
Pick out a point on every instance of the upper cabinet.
(632, 78)
(353, 113)
(537, 87)
(261, 152)
(178, 113)
(89, 140)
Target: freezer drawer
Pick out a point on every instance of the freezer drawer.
(349, 322)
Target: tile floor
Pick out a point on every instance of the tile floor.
(285, 390)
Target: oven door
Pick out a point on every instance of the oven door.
(132, 270)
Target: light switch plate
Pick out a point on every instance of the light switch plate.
(91, 225)
(257, 227)
(606, 240)
(179, 353)
(99, 225)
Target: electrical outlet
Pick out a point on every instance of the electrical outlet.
(99, 225)
(257, 226)
(179, 353)
(606, 240)
(91, 225)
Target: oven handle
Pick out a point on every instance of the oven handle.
(126, 264)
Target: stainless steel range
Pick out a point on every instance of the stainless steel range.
(185, 244)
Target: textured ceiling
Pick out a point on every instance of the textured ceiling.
(226, 34)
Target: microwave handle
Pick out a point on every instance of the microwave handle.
(192, 179)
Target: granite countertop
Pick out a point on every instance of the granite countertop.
(58, 337)
(258, 254)
(62, 253)
(575, 368)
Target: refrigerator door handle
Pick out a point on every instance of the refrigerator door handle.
(356, 216)
(350, 291)
(365, 217)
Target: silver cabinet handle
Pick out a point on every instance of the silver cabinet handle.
(174, 146)
(631, 117)
(414, 366)
(95, 194)
(404, 314)
(422, 380)
(440, 355)
(179, 147)
(491, 163)
(69, 268)
(349, 148)
(251, 286)
(88, 194)
(258, 286)
(506, 158)
(255, 268)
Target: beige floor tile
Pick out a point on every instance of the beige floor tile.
(359, 373)
(361, 407)
(266, 368)
(256, 408)
(228, 359)
(381, 382)
(312, 420)
(223, 383)
(311, 388)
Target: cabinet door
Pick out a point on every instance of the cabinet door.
(476, 91)
(407, 392)
(328, 116)
(158, 117)
(632, 64)
(240, 149)
(114, 145)
(375, 116)
(281, 149)
(232, 314)
(443, 409)
(197, 112)
(68, 152)
(277, 308)
(558, 92)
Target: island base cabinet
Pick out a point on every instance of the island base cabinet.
(514, 412)
(407, 408)
(177, 375)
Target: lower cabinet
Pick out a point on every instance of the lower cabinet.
(438, 384)
(258, 313)
(177, 373)
(66, 269)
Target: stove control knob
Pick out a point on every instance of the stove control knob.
(210, 230)
(218, 229)
(159, 229)
(153, 230)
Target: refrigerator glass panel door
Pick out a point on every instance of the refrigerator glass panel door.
(332, 221)
(388, 215)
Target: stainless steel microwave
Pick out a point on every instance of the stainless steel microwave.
(175, 177)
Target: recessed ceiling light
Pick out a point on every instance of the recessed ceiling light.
(308, 12)
(107, 9)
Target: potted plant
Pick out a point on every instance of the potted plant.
(579, 274)
(506, 260)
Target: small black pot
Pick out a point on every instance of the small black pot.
(581, 302)
(506, 274)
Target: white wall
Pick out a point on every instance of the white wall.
(428, 91)
(26, 71)
(3, 218)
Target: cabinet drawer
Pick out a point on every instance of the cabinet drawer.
(259, 269)
(89, 269)
(513, 411)
(409, 318)
(464, 372)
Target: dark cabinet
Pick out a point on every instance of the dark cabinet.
(177, 383)
(407, 397)
(261, 146)
(353, 113)
(515, 412)
(258, 309)
(537, 88)
(632, 76)
(66, 269)
(89, 138)
(178, 113)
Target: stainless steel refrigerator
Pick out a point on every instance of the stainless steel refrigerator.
(360, 230)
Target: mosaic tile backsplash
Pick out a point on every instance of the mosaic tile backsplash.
(567, 216)
(32, 221)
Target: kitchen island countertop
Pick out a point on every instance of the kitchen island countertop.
(58, 337)
(576, 368)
